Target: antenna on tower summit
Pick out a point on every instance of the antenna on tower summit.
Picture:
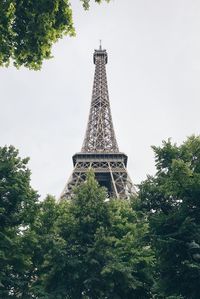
(100, 47)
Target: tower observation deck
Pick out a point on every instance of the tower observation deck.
(100, 150)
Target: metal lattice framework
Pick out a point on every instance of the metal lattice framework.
(100, 135)
(100, 151)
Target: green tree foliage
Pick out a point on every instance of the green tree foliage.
(28, 29)
(172, 201)
(40, 242)
(18, 205)
(86, 3)
(87, 247)
(92, 248)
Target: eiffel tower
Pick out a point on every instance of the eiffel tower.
(100, 150)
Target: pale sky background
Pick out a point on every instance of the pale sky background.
(154, 85)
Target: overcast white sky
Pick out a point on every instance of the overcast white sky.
(154, 85)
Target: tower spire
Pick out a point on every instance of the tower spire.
(100, 150)
(100, 135)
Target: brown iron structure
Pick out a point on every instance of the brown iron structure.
(100, 150)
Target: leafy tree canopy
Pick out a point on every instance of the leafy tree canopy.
(18, 205)
(28, 29)
(171, 200)
(93, 248)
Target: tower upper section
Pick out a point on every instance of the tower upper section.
(100, 135)
(100, 150)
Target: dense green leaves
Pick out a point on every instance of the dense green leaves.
(98, 249)
(18, 205)
(172, 202)
(29, 28)
(92, 247)
(87, 247)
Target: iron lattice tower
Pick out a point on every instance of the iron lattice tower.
(100, 150)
